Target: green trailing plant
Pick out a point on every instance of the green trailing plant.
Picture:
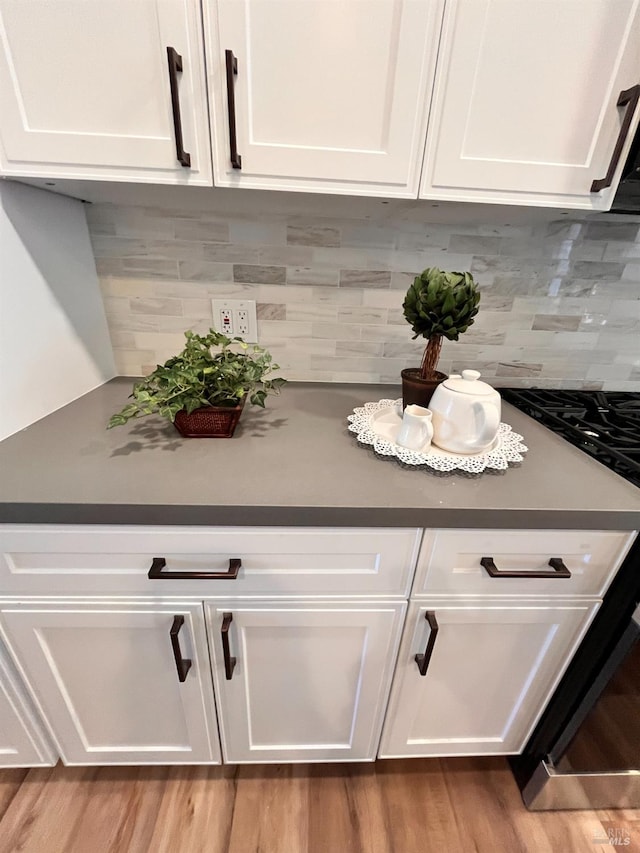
(440, 305)
(211, 370)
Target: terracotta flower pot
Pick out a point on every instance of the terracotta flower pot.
(417, 390)
(209, 421)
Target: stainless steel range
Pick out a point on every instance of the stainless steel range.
(585, 752)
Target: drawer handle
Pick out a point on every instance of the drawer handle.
(229, 662)
(158, 564)
(232, 71)
(559, 570)
(423, 660)
(175, 66)
(627, 98)
(183, 665)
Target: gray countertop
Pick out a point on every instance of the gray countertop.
(294, 463)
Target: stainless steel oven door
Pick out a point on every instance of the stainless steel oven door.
(596, 762)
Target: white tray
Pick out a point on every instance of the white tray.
(377, 425)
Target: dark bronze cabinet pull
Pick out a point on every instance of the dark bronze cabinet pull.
(158, 564)
(229, 662)
(423, 660)
(627, 98)
(559, 570)
(232, 71)
(175, 67)
(183, 665)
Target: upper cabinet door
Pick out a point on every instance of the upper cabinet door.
(328, 96)
(85, 90)
(524, 108)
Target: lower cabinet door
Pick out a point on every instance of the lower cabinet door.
(118, 683)
(302, 682)
(23, 742)
(473, 680)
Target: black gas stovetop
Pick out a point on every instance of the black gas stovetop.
(605, 424)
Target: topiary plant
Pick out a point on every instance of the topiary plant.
(198, 377)
(440, 305)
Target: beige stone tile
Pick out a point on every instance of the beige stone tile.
(518, 369)
(199, 270)
(474, 245)
(150, 268)
(382, 299)
(556, 322)
(127, 287)
(259, 274)
(202, 230)
(609, 371)
(271, 311)
(619, 251)
(157, 305)
(335, 331)
(338, 296)
(365, 278)
(625, 231)
(257, 233)
(198, 309)
(382, 332)
(312, 235)
(358, 348)
(316, 275)
(375, 236)
(116, 305)
(314, 311)
(362, 315)
(280, 293)
(283, 329)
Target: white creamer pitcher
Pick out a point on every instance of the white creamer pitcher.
(466, 414)
(416, 430)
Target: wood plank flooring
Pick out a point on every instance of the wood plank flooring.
(407, 806)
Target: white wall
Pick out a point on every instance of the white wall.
(54, 340)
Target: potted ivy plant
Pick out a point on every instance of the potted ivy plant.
(203, 389)
(438, 305)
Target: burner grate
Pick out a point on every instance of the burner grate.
(604, 424)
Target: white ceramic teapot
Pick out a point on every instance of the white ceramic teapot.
(466, 413)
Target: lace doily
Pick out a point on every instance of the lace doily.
(377, 424)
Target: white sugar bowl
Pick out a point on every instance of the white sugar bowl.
(466, 413)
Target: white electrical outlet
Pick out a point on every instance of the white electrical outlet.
(236, 318)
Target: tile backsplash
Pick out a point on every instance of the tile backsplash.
(560, 302)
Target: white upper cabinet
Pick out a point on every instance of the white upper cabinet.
(328, 97)
(85, 90)
(525, 101)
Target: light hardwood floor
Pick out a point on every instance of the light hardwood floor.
(407, 806)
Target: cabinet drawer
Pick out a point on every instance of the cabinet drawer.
(451, 562)
(274, 561)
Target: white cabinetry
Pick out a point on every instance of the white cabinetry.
(106, 678)
(315, 618)
(85, 90)
(494, 620)
(524, 108)
(330, 97)
(295, 632)
(490, 672)
(302, 682)
(23, 742)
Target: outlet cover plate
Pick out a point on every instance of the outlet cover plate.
(244, 322)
